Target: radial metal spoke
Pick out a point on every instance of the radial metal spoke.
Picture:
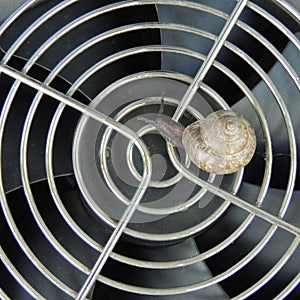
(69, 101)
(191, 91)
(237, 201)
(184, 102)
(195, 84)
(110, 245)
(118, 127)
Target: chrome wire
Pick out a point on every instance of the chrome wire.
(290, 130)
(289, 8)
(270, 18)
(248, 218)
(80, 80)
(290, 287)
(20, 279)
(276, 220)
(185, 101)
(273, 271)
(8, 22)
(222, 68)
(3, 295)
(28, 65)
(34, 26)
(87, 111)
(254, 211)
(191, 91)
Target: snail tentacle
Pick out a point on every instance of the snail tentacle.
(171, 130)
(222, 143)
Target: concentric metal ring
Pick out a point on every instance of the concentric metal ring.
(49, 273)
(86, 170)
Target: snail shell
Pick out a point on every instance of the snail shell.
(222, 143)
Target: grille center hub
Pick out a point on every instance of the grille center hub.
(108, 166)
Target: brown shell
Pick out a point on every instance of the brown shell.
(222, 143)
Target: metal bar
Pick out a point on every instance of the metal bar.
(14, 16)
(98, 116)
(10, 219)
(285, 4)
(115, 240)
(29, 194)
(49, 14)
(109, 246)
(271, 273)
(288, 124)
(236, 200)
(69, 101)
(289, 288)
(19, 278)
(191, 91)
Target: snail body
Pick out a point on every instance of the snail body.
(222, 143)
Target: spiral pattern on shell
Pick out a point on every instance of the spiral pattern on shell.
(222, 143)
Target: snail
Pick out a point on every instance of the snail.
(222, 143)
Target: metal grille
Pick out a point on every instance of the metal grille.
(65, 111)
